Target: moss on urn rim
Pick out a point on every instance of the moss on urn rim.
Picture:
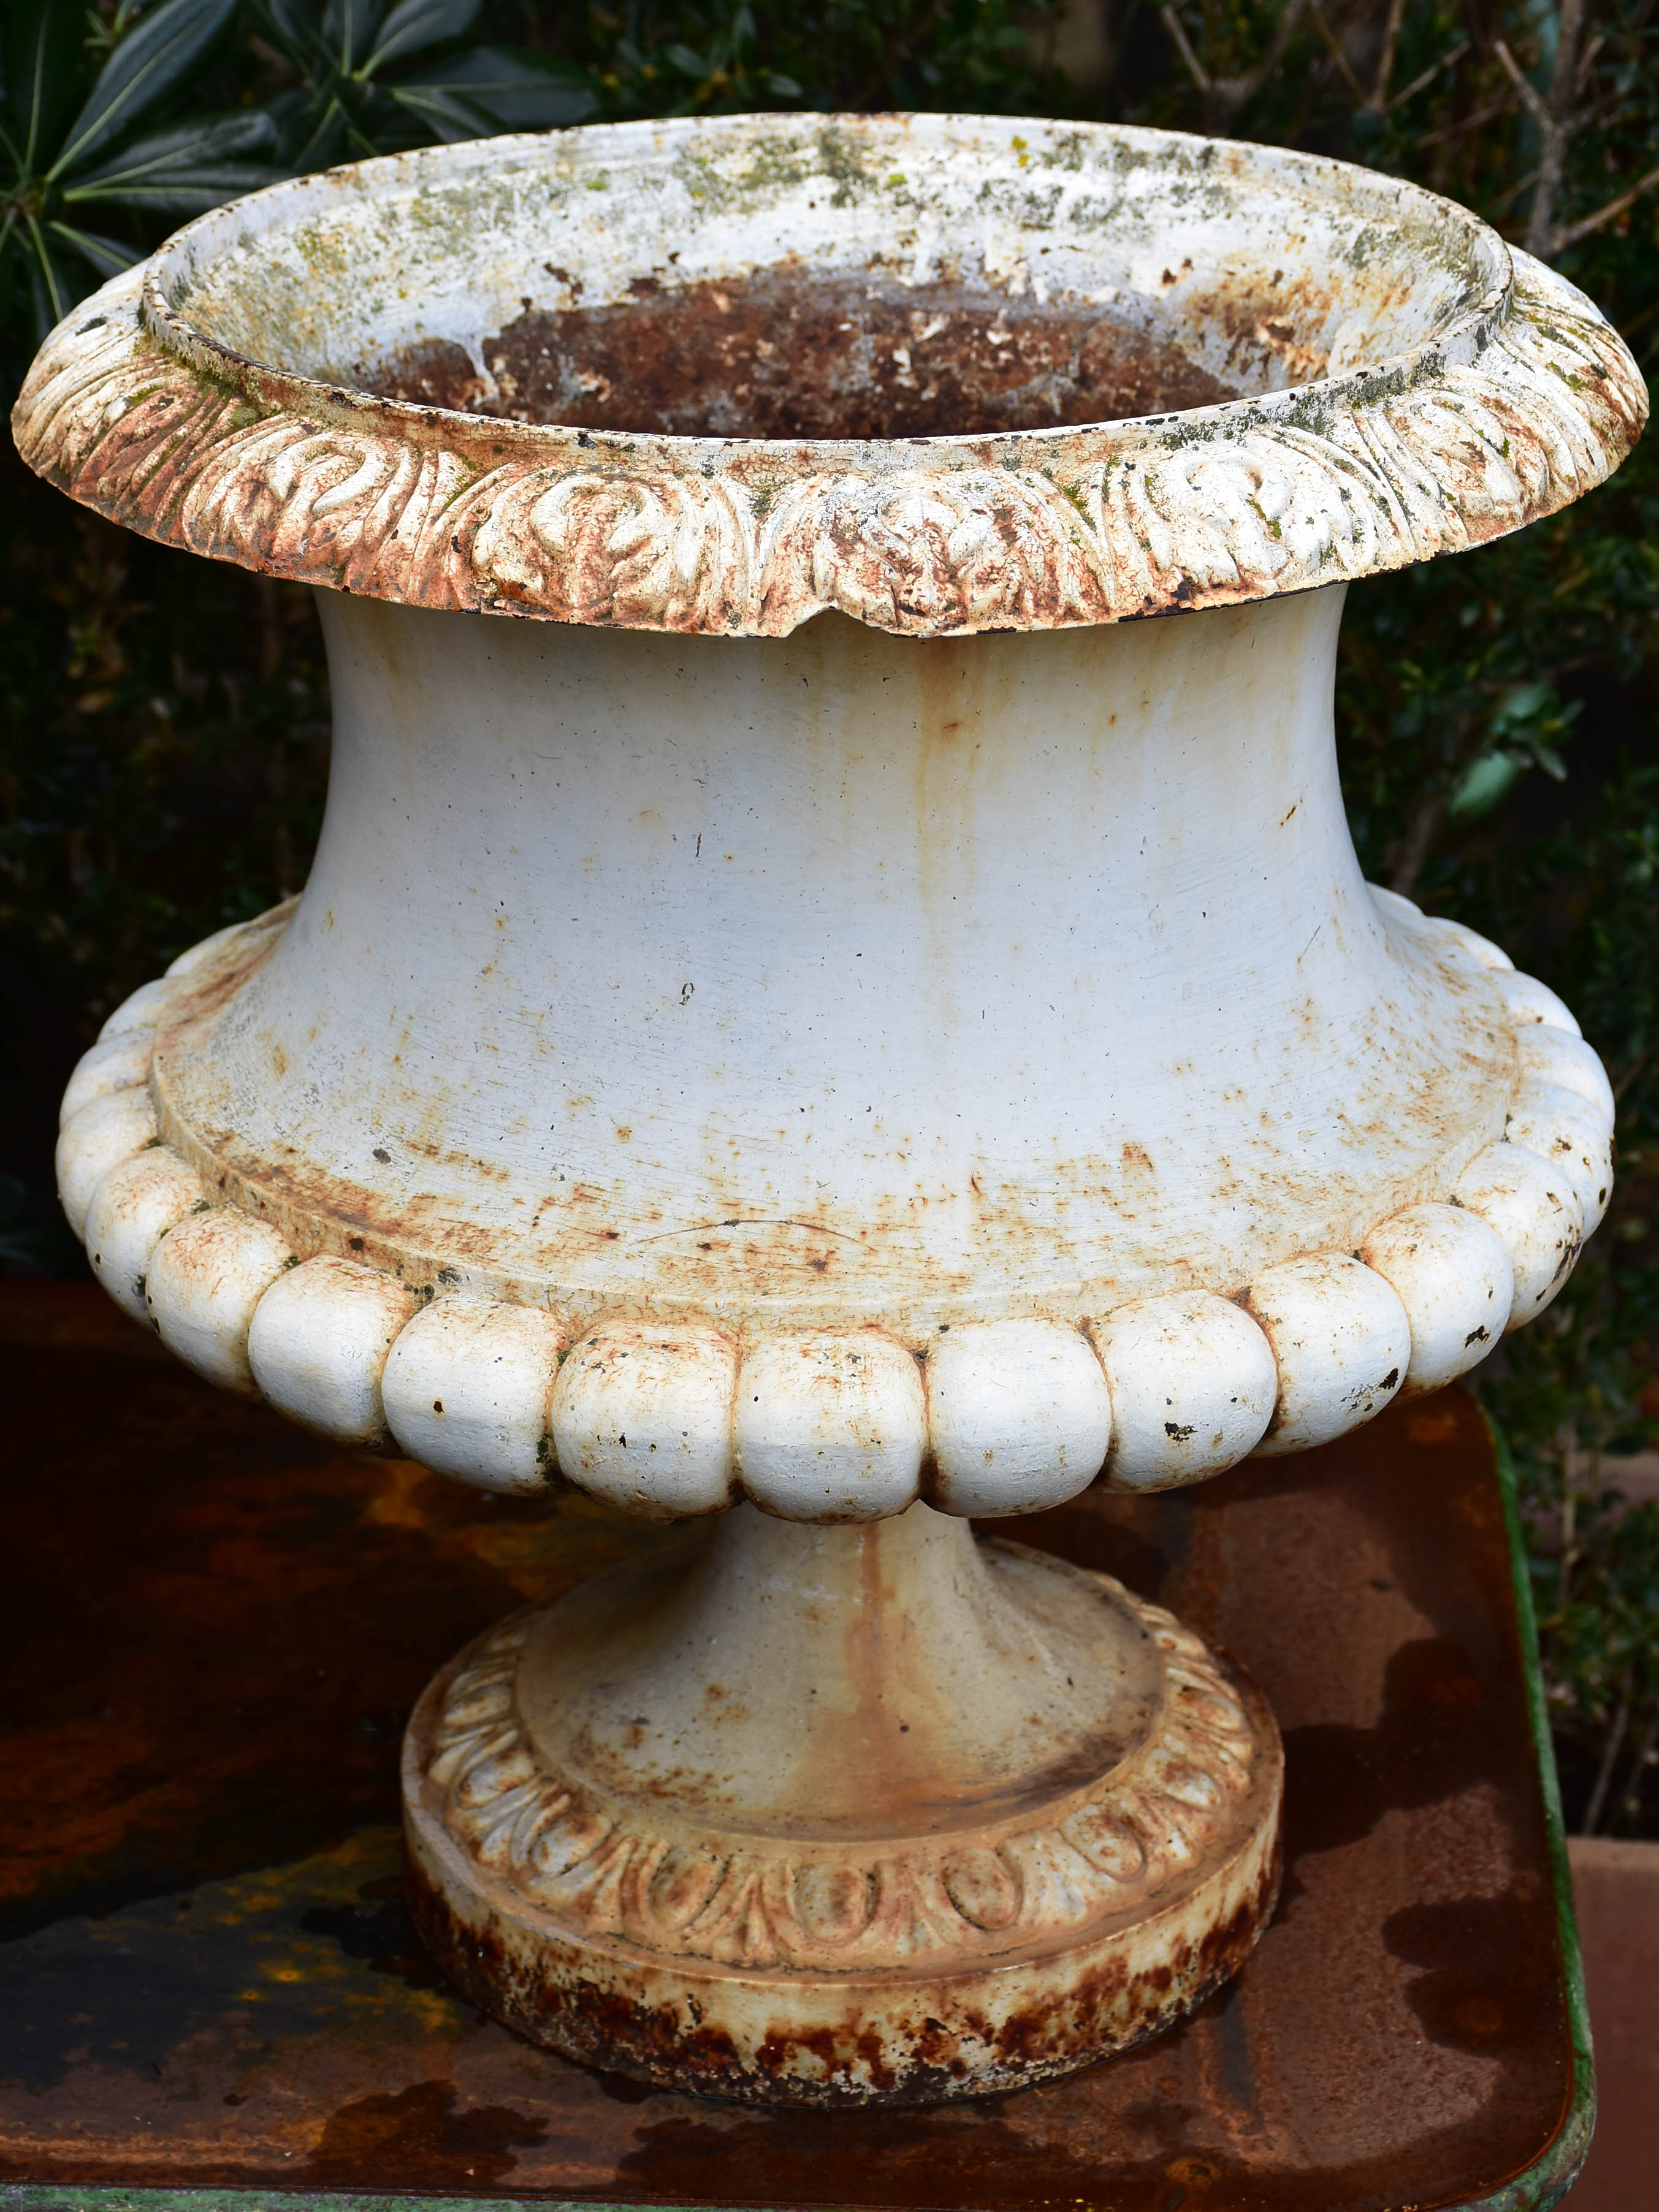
(1405, 385)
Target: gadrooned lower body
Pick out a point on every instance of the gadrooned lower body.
(712, 1946)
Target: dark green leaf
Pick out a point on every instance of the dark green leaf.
(327, 142)
(492, 88)
(107, 255)
(295, 29)
(185, 191)
(186, 146)
(348, 28)
(1484, 785)
(42, 57)
(414, 25)
(150, 61)
(446, 114)
(53, 290)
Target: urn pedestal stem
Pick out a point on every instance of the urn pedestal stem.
(818, 1813)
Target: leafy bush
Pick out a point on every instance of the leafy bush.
(74, 150)
(165, 733)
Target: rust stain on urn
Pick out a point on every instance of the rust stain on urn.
(924, 2046)
(986, 1820)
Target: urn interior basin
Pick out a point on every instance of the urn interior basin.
(776, 283)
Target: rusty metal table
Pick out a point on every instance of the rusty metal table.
(208, 1994)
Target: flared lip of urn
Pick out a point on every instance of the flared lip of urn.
(1378, 377)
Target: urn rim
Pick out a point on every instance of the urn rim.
(1451, 389)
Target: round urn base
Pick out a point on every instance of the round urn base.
(821, 1815)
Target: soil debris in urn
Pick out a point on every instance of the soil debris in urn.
(767, 356)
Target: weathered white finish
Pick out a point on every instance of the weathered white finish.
(1533, 1207)
(466, 1389)
(851, 987)
(1549, 1055)
(1020, 1416)
(1529, 1000)
(140, 1012)
(1452, 1273)
(1396, 907)
(642, 1420)
(810, 980)
(203, 1281)
(1563, 1128)
(196, 958)
(1193, 1386)
(132, 1211)
(104, 1132)
(1341, 1342)
(860, 1796)
(987, 1061)
(830, 1426)
(116, 1064)
(318, 1346)
(953, 1048)
(1457, 937)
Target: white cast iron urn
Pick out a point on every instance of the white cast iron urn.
(833, 1023)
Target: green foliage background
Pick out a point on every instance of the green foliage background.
(165, 733)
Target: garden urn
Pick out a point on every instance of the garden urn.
(835, 1002)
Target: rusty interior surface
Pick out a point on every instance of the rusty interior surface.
(770, 356)
(208, 1978)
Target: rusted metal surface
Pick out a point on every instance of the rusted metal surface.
(953, 1818)
(1407, 385)
(216, 1626)
(835, 2048)
(783, 356)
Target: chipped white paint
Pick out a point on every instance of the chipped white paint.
(1526, 999)
(1188, 1382)
(830, 1426)
(202, 1283)
(949, 1055)
(1409, 385)
(984, 1043)
(106, 1131)
(1452, 1273)
(1020, 1416)
(318, 1346)
(1563, 1127)
(1460, 940)
(641, 1419)
(138, 1015)
(1341, 1343)
(466, 1390)
(118, 1064)
(1548, 1056)
(197, 957)
(132, 1211)
(1192, 1383)
(999, 1807)
(1531, 1205)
